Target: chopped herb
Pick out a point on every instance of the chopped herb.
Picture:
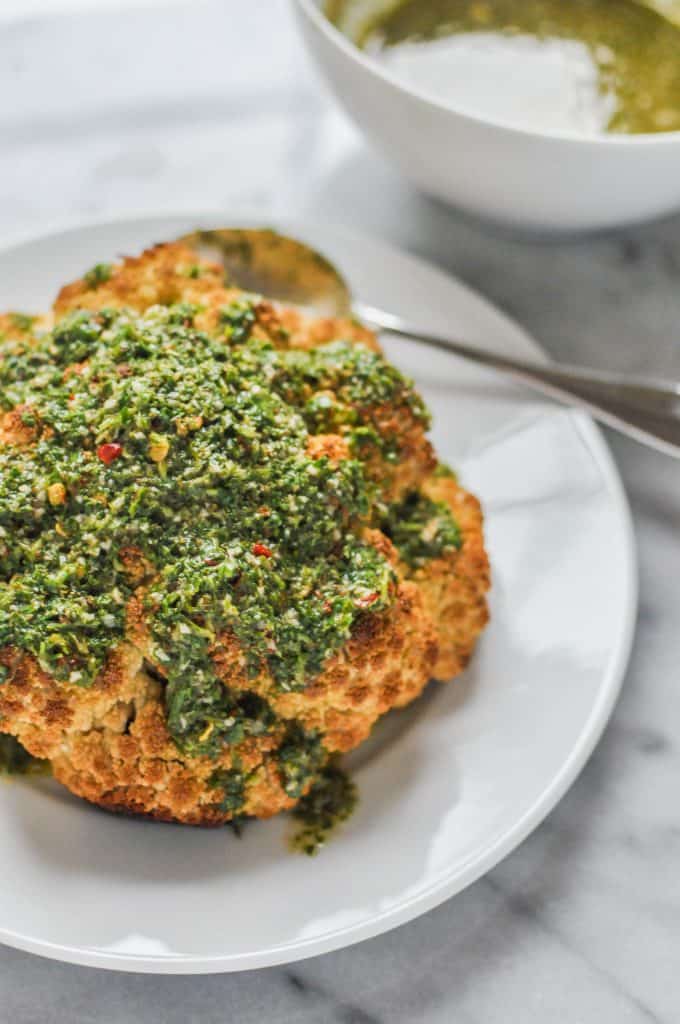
(444, 472)
(301, 756)
(239, 318)
(344, 388)
(420, 529)
(99, 274)
(231, 782)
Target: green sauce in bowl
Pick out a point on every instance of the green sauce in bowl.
(584, 66)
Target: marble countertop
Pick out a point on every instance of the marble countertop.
(214, 104)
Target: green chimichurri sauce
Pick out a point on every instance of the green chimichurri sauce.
(148, 436)
(586, 66)
(330, 801)
(153, 456)
(421, 529)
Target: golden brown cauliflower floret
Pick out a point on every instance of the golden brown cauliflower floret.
(110, 743)
(298, 661)
(454, 585)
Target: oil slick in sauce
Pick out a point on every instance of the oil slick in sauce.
(575, 66)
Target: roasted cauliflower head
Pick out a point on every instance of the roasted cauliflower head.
(226, 545)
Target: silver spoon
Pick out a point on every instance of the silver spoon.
(289, 271)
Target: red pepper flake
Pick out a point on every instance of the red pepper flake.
(327, 607)
(108, 453)
(211, 561)
(367, 600)
(71, 399)
(262, 550)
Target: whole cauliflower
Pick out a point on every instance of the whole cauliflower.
(226, 545)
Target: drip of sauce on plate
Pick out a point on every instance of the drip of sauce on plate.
(330, 801)
(576, 66)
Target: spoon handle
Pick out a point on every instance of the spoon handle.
(645, 409)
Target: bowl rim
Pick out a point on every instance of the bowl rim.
(312, 10)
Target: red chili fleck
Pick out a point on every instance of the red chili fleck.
(108, 453)
(71, 399)
(211, 561)
(262, 549)
(367, 600)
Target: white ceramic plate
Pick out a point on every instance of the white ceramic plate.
(449, 786)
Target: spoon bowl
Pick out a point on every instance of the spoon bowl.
(262, 260)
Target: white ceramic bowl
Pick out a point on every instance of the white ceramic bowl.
(523, 178)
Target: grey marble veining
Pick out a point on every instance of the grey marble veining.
(215, 105)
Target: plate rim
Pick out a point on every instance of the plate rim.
(590, 734)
